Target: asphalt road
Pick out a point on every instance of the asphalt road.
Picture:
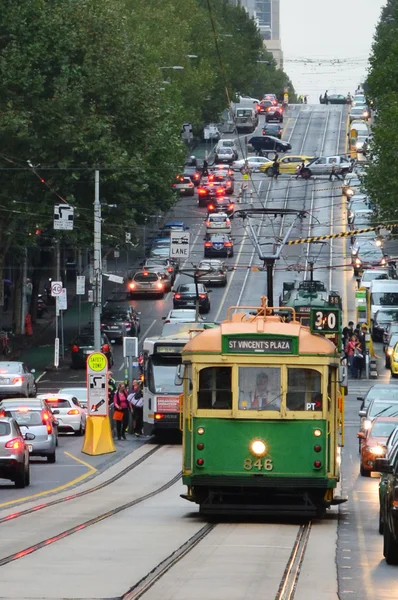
(312, 130)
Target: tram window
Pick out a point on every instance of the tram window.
(304, 390)
(215, 388)
(259, 388)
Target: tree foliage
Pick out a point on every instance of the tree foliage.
(382, 87)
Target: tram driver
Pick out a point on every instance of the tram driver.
(266, 393)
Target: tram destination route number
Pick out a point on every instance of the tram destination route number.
(325, 321)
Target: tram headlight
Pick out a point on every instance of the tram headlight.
(258, 448)
(317, 432)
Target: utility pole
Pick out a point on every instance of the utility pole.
(97, 267)
(24, 307)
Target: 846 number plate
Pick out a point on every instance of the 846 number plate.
(259, 464)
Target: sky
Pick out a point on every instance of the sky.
(323, 31)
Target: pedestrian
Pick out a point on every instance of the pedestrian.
(137, 402)
(361, 355)
(333, 173)
(122, 406)
(348, 332)
(300, 168)
(275, 167)
(28, 293)
(305, 99)
(351, 349)
(321, 99)
(326, 98)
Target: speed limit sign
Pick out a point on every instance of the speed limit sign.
(56, 288)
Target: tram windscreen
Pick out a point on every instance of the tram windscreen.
(161, 374)
(304, 390)
(260, 388)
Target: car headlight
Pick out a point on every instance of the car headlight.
(367, 424)
(376, 450)
(389, 351)
(258, 447)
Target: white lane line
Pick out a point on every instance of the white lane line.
(40, 376)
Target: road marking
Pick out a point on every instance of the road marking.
(60, 488)
(40, 376)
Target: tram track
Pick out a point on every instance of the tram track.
(288, 584)
(100, 486)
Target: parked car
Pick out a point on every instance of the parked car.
(16, 380)
(83, 345)
(172, 226)
(211, 132)
(34, 416)
(374, 442)
(185, 297)
(212, 272)
(66, 408)
(14, 452)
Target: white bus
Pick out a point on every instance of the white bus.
(162, 355)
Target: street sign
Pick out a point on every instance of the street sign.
(63, 217)
(114, 278)
(80, 285)
(97, 385)
(130, 347)
(62, 300)
(56, 353)
(179, 244)
(56, 288)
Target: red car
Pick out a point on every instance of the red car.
(374, 442)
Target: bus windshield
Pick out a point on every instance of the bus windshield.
(161, 373)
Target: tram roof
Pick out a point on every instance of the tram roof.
(210, 341)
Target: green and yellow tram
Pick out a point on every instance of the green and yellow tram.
(262, 416)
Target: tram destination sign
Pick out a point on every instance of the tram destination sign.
(259, 344)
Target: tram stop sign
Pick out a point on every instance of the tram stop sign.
(97, 385)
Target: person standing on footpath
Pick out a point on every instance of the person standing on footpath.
(348, 332)
(121, 405)
(138, 410)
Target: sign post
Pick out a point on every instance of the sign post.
(98, 436)
(179, 244)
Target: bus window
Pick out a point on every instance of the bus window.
(259, 388)
(215, 388)
(304, 390)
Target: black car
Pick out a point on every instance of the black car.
(274, 113)
(221, 204)
(118, 322)
(208, 192)
(388, 523)
(272, 129)
(83, 346)
(193, 173)
(218, 244)
(381, 319)
(185, 297)
(269, 142)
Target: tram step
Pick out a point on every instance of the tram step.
(339, 500)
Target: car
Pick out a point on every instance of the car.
(171, 226)
(264, 105)
(388, 517)
(146, 283)
(361, 143)
(287, 164)
(390, 329)
(185, 297)
(212, 272)
(374, 442)
(164, 275)
(16, 380)
(192, 170)
(358, 99)
(376, 408)
(370, 275)
(161, 242)
(14, 452)
(362, 219)
(224, 170)
(389, 349)
(118, 323)
(272, 129)
(167, 263)
(209, 191)
(181, 315)
(178, 328)
(381, 319)
(79, 392)
(274, 113)
(160, 253)
(357, 112)
(211, 132)
(360, 126)
(34, 415)
(254, 163)
(224, 155)
(184, 185)
(83, 345)
(221, 204)
(379, 391)
(120, 303)
(218, 244)
(218, 223)
(70, 415)
(323, 165)
(228, 143)
(369, 255)
(218, 178)
(269, 142)
(334, 99)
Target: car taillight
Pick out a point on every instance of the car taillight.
(45, 418)
(202, 296)
(221, 272)
(229, 183)
(208, 244)
(231, 207)
(16, 380)
(177, 296)
(211, 177)
(227, 222)
(159, 285)
(228, 244)
(132, 286)
(220, 191)
(174, 185)
(269, 108)
(14, 444)
(49, 428)
(105, 348)
(211, 207)
(170, 269)
(75, 348)
(73, 411)
(127, 325)
(202, 192)
(208, 223)
(2, 414)
(196, 176)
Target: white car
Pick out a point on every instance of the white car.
(79, 392)
(218, 223)
(181, 315)
(70, 415)
(371, 275)
(253, 162)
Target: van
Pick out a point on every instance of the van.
(228, 143)
(246, 119)
(383, 294)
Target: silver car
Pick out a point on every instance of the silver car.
(146, 283)
(66, 408)
(213, 272)
(34, 416)
(163, 273)
(16, 380)
(79, 392)
(14, 452)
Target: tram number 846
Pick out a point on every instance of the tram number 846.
(260, 464)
